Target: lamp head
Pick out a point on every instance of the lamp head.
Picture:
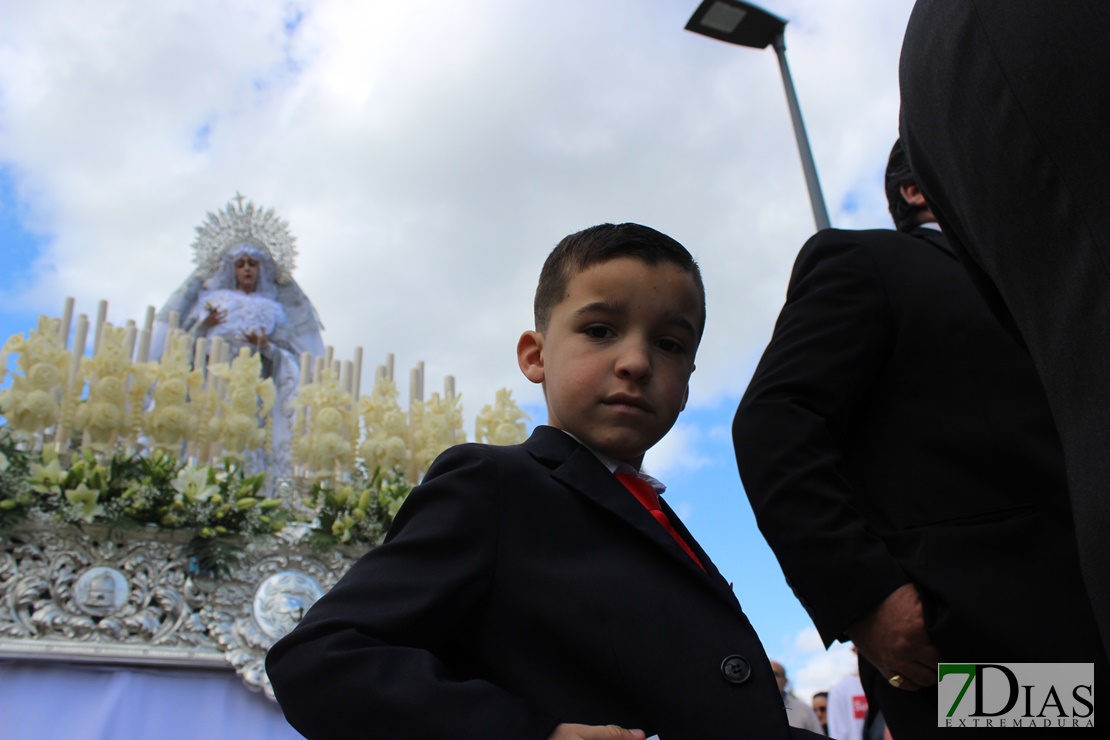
(736, 22)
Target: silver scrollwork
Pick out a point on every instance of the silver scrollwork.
(135, 598)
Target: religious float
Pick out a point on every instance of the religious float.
(178, 494)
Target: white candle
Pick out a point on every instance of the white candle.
(144, 346)
(67, 321)
(199, 350)
(101, 316)
(357, 373)
(146, 334)
(306, 377)
(132, 332)
(79, 346)
(167, 342)
(306, 368)
(72, 392)
(345, 375)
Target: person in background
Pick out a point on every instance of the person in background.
(821, 709)
(847, 709)
(798, 713)
(901, 460)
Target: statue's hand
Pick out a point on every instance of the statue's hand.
(257, 339)
(215, 317)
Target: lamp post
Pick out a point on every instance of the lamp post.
(747, 25)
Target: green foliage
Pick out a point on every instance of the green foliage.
(356, 512)
(216, 503)
(136, 490)
(15, 492)
(214, 555)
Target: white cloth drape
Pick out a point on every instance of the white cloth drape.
(49, 701)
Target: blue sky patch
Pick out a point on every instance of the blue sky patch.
(20, 246)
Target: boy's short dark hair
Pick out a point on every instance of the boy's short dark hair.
(602, 243)
(898, 173)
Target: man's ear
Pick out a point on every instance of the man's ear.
(913, 195)
(529, 355)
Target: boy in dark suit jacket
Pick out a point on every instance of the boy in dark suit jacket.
(524, 591)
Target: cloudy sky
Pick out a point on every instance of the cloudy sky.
(427, 156)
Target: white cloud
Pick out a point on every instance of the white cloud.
(680, 450)
(427, 160)
(810, 667)
(428, 156)
(809, 641)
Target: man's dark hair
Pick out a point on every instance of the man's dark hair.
(821, 693)
(602, 243)
(898, 173)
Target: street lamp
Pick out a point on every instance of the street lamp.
(747, 25)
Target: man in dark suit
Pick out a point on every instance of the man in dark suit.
(1004, 106)
(538, 590)
(900, 458)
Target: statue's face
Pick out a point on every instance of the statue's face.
(246, 273)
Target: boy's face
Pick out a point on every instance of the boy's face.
(617, 355)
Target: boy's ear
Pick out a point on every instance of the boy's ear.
(529, 355)
(686, 393)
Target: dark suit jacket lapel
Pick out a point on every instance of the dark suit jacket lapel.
(935, 238)
(676, 522)
(575, 466)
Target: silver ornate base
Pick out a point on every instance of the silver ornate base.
(90, 595)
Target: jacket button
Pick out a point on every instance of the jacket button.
(736, 669)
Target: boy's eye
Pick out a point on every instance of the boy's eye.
(670, 345)
(598, 332)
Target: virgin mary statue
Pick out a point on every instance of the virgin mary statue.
(243, 291)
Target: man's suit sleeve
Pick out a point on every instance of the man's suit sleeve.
(830, 345)
(368, 658)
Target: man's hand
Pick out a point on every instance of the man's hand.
(594, 732)
(893, 638)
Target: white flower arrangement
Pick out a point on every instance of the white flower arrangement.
(325, 443)
(105, 415)
(439, 426)
(502, 423)
(172, 420)
(33, 402)
(384, 445)
(247, 399)
(163, 443)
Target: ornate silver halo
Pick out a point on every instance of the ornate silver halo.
(237, 224)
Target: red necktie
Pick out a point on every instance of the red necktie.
(646, 495)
